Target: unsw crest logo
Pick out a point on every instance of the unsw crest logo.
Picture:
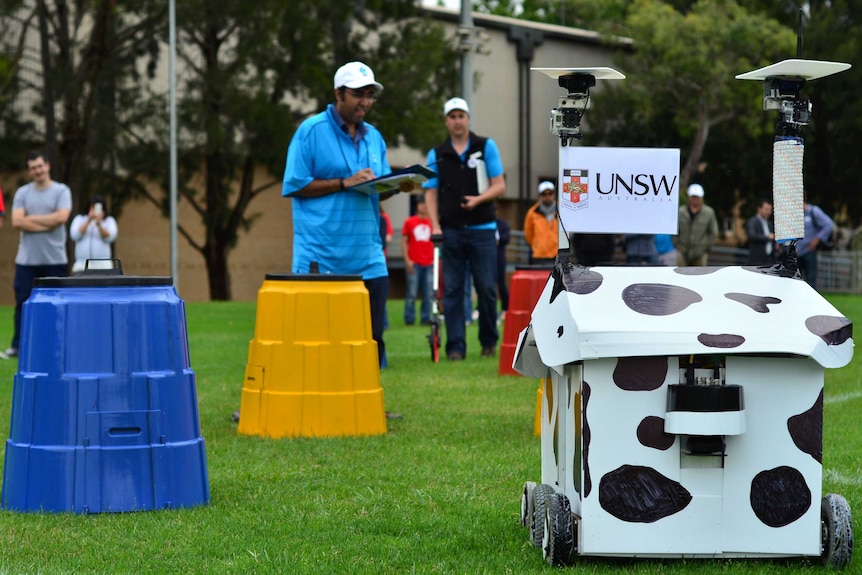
(576, 188)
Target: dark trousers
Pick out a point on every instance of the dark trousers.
(476, 249)
(808, 266)
(502, 288)
(23, 285)
(378, 293)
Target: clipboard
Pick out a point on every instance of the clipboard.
(417, 174)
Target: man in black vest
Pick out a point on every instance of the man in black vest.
(761, 236)
(461, 206)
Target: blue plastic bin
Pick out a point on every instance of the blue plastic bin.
(104, 409)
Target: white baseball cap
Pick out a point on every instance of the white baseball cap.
(356, 75)
(695, 190)
(456, 104)
(546, 185)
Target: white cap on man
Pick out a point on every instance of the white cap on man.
(546, 185)
(356, 75)
(456, 104)
(695, 190)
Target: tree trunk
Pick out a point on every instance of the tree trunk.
(216, 255)
(690, 169)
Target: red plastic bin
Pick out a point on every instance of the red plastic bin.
(524, 291)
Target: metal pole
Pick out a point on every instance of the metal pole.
(465, 34)
(172, 73)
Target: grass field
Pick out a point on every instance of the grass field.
(438, 493)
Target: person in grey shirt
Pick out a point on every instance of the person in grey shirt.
(40, 211)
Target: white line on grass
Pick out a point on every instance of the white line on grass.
(842, 398)
(838, 477)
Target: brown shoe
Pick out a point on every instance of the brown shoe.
(489, 351)
(455, 356)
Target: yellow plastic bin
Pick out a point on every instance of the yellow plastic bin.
(312, 366)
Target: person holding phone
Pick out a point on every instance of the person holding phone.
(93, 233)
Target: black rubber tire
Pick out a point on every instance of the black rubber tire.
(541, 494)
(837, 531)
(527, 503)
(558, 546)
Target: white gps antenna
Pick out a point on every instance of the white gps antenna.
(782, 91)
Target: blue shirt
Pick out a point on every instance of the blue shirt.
(339, 231)
(663, 244)
(817, 225)
(493, 163)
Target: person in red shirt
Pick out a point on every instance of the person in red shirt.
(385, 229)
(418, 253)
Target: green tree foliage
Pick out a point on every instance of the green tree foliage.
(12, 52)
(248, 73)
(586, 14)
(680, 89)
(85, 63)
(251, 74)
(834, 32)
(681, 74)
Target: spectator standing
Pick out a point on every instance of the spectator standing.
(818, 229)
(418, 251)
(594, 249)
(504, 236)
(40, 210)
(761, 236)
(640, 249)
(665, 249)
(2, 209)
(334, 227)
(461, 207)
(93, 233)
(386, 230)
(542, 227)
(698, 230)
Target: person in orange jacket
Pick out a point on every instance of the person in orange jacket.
(541, 226)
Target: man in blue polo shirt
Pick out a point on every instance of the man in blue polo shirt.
(461, 206)
(335, 229)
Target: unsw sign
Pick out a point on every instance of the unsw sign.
(619, 190)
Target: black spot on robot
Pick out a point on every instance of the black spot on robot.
(776, 270)
(582, 281)
(640, 373)
(806, 430)
(560, 331)
(659, 299)
(721, 340)
(651, 433)
(756, 302)
(574, 279)
(588, 480)
(779, 496)
(640, 494)
(833, 330)
(697, 271)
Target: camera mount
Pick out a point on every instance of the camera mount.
(566, 117)
(782, 90)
